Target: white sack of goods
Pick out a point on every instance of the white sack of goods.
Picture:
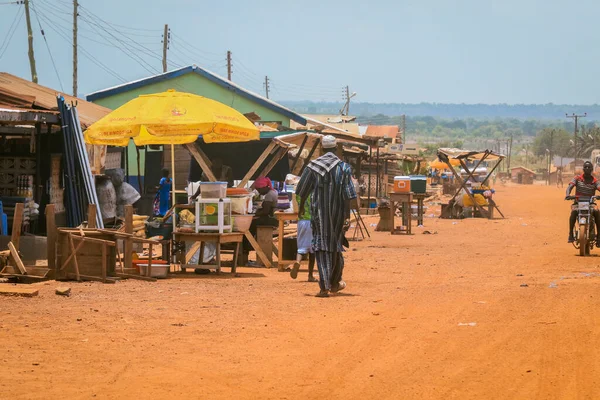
(107, 197)
(126, 195)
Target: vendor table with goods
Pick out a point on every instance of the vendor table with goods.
(218, 239)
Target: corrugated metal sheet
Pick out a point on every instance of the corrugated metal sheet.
(382, 131)
(17, 90)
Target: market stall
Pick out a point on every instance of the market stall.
(171, 118)
(475, 159)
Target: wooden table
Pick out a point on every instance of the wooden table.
(282, 217)
(420, 197)
(405, 199)
(218, 239)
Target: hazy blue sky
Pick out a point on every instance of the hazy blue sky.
(461, 51)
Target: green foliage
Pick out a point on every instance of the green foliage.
(554, 140)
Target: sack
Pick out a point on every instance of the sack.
(107, 197)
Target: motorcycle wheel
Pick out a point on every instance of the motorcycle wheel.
(583, 241)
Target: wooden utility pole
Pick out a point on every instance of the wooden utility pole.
(347, 100)
(576, 118)
(75, 5)
(34, 77)
(228, 65)
(267, 86)
(403, 137)
(165, 47)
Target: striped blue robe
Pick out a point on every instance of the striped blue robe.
(330, 182)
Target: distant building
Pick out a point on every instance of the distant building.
(522, 175)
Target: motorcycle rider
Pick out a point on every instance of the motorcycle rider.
(586, 186)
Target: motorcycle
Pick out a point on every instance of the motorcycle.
(585, 226)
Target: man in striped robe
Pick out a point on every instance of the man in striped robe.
(329, 180)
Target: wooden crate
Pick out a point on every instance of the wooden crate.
(89, 257)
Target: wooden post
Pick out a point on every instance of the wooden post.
(307, 161)
(280, 244)
(264, 235)
(104, 255)
(201, 159)
(91, 217)
(299, 152)
(14, 254)
(259, 253)
(51, 236)
(17, 225)
(149, 269)
(74, 251)
(128, 243)
(257, 164)
(276, 158)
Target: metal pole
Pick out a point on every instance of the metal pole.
(75, 5)
(173, 173)
(369, 184)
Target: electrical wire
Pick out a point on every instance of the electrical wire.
(11, 31)
(175, 36)
(84, 52)
(129, 54)
(48, 47)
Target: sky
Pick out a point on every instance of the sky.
(387, 51)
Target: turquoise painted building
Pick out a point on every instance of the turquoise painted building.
(196, 80)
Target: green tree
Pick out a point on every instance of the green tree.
(554, 140)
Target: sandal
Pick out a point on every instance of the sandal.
(295, 269)
(322, 293)
(312, 279)
(340, 286)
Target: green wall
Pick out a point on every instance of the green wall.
(191, 83)
(196, 84)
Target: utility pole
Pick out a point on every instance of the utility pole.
(510, 150)
(403, 137)
(267, 86)
(166, 37)
(228, 65)
(347, 100)
(34, 77)
(75, 5)
(576, 118)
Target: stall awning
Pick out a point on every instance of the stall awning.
(470, 154)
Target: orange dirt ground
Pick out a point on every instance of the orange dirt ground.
(394, 333)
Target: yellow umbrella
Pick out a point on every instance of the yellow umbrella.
(174, 113)
(171, 118)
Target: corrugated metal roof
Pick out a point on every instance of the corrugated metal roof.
(15, 90)
(270, 104)
(382, 131)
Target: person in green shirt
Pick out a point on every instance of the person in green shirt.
(304, 240)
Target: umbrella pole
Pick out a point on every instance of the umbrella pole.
(173, 173)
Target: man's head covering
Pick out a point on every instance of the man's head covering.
(329, 142)
(263, 182)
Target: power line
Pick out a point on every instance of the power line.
(11, 31)
(47, 46)
(129, 54)
(194, 47)
(83, 50)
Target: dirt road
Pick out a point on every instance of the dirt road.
(397, 332)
